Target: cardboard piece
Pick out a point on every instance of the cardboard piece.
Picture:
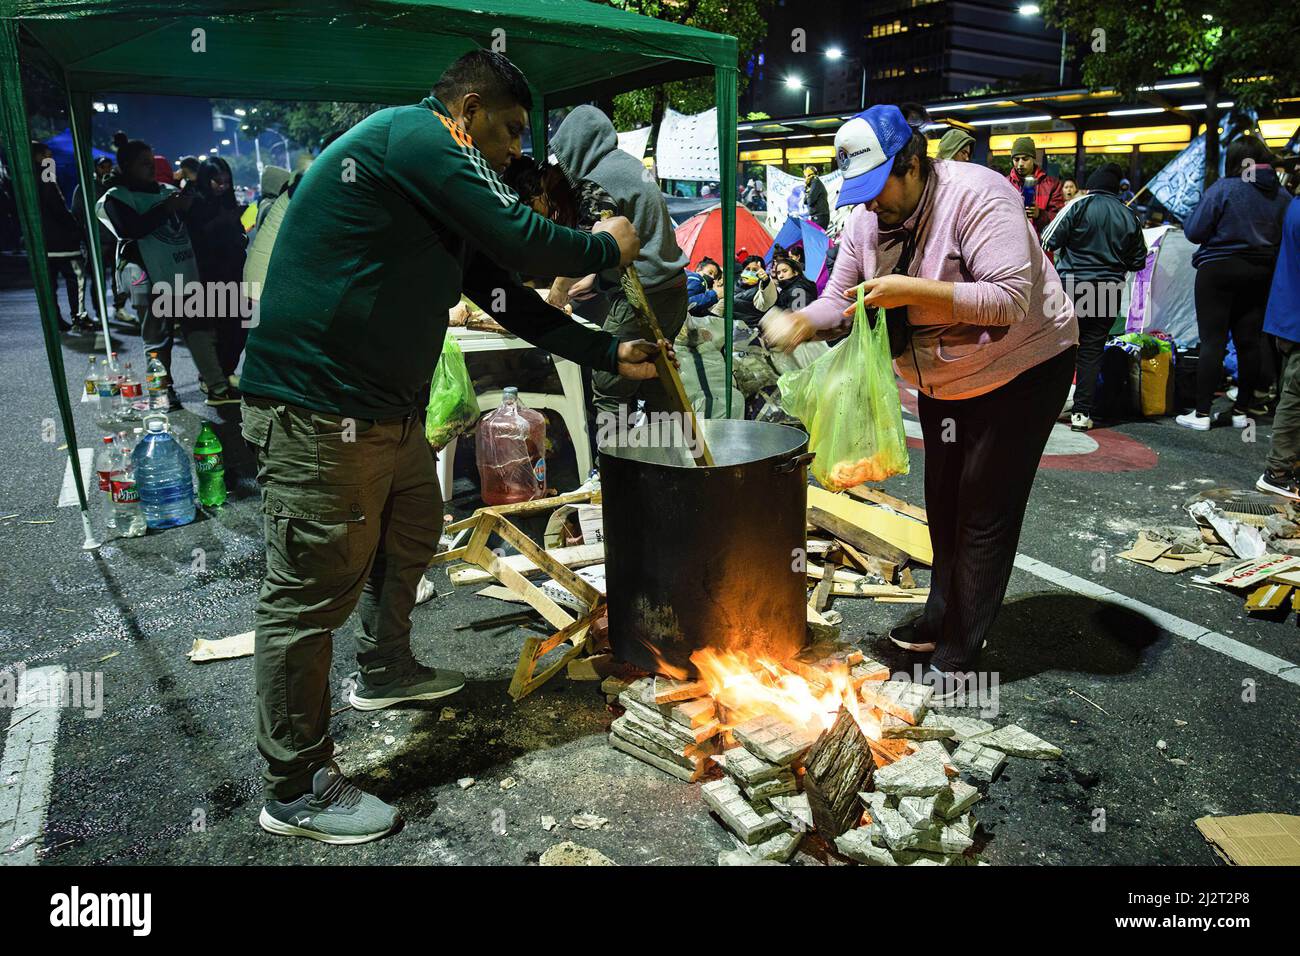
(1255, 571)
(1254, 839)
(1151, 551)
(227, 648)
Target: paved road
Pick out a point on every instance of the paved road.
(168, 773)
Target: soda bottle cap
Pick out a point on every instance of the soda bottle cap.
(510, 391)
(107, 439)
(156, 426)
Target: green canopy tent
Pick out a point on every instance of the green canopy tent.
(389, 51)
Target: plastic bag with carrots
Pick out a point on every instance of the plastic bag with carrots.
(848, 401)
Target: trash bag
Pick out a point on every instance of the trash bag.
(848, 401)
(452, 408)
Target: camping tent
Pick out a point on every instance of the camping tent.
(702, 235)
(795, 231)
(1169, 304)
(387, 51)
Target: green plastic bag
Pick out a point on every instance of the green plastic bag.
(848, 401)
(452, 409)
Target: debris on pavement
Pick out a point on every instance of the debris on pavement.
(1254, 839)
(223, 649)
(569, 853)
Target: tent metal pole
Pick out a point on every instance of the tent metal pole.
(724, 85)
(15, 136)
(538, 122)
(79, 120)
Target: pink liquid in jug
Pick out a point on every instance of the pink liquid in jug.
(510, 448)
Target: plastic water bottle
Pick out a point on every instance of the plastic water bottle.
(510, 449)
(105, 463)
(162, 476)
(92, 379)
(156, 381)
(210, 467)
(108, 387)
(133, 402)
(127, 515)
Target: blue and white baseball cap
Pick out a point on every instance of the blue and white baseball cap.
(865, 148)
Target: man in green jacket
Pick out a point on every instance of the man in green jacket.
(391, 224)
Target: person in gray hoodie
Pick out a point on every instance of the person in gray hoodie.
(586, 149)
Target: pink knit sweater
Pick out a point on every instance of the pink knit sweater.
(1009, 311)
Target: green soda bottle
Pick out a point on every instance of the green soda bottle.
(209, 466)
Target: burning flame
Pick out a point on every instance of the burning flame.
(745, 686)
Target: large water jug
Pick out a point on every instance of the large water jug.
(162, 476)
(510, 447)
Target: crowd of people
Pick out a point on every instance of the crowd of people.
(997, 290)
(175, 249)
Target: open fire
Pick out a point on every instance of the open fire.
(745, 687)
(822, 742)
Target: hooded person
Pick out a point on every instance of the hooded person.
(586, 149)
(1238, 226)
(956, 144)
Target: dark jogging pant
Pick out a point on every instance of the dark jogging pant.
(981, 456)
(1231, 294)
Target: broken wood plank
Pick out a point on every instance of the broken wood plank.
(877, 591)
(822, 593)
(855, 535)
(878, 497)
(525, 508)
(575, 585)
(902, 533)
(524, 681)
(578, 556)
(836, 768)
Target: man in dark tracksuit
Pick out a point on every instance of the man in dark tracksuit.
(1097, 240)
(391, 224)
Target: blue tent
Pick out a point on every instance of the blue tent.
(796, 231)
(65, 160)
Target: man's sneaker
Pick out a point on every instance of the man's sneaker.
(1079, 422)
(1240, 420)
(173, 400)
(908, 638)
(1279, 483)
(413, 683)
(335, 811)
(226, 395)
(1192, 420)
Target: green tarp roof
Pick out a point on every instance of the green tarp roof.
(372, 50)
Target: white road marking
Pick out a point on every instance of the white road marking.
(1198, 633)
(26, 770)
(68, 493)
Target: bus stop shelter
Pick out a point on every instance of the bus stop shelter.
(382, 51)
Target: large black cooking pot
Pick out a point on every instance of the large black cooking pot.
(706, 557)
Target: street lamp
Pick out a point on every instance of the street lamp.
(1032, 10)
(794, 83)
(835, 53)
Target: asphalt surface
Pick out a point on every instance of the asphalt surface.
(169, 773)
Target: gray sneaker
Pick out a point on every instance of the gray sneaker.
(335, 811)
(415, 682)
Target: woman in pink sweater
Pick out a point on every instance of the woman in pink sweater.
(983, 331)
